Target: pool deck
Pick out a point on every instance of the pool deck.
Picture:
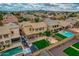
(58, 51)
(18, 54)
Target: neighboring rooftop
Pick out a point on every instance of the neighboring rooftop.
(9, 18)
(50, 22)
(8, 28)
(71, 20)
(12, 25)
(65, 23)
(34, 25)
(4, 30)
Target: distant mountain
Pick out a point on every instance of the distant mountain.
(39, 7)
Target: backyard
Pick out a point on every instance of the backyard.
(71, 52)
(41, 44)
(59, 37)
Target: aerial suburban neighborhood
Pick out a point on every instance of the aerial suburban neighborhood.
(39, 33)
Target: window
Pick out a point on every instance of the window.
(33, 29)
(57, 25)
(15, 40)
(6, 36)
(53, 26)
(40, 29)
(43, 28)
(12, 32)
(30, 29)
(0, 37)
(52, 30)
(36, 29)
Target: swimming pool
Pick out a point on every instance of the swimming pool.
(11, 52)
(66, 33)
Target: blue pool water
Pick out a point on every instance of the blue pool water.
(66, 33)
(11, 52)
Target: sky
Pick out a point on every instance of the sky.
(39, 6)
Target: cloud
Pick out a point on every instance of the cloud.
(45, 6)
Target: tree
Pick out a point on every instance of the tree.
(63, 18)
(3, 13)
(36, 19)
(29, 12)
(13, 13)
(1, 17)
(77, 24)
(73, 15)
(1, 24)
(22, 19)
(47, 33)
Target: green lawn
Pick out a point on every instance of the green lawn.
(76, 45)
(41, 44)
(63, 37)
(71, 52)
(59, 36)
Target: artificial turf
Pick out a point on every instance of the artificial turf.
(59, 36)
(76, 45)
(41, 44)
(63, 37)
(71, 52)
